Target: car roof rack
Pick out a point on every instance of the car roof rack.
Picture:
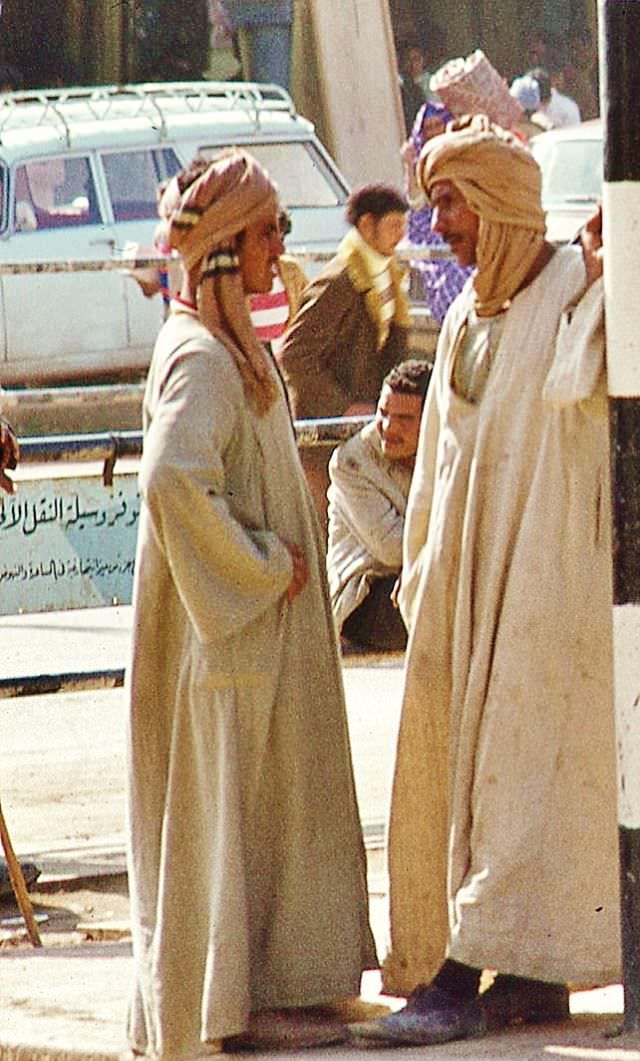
(155, 100)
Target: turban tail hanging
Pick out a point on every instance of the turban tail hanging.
(203, 225)
(501, 182)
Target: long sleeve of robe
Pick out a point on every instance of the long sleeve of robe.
(503, 839)
(247, 869)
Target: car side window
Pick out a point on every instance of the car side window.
(54, 193)
(133, 178)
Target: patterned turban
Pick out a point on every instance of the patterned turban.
(203, 223)
(501, 182)
(231, 194)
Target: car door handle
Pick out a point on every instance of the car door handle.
(111, 243)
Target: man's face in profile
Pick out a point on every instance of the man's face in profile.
(454, 220)
(383, 233)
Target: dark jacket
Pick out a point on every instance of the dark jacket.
(330, 357)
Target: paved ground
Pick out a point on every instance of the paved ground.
(61, 774)
(69, 1004)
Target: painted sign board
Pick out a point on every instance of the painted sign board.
(68, 542)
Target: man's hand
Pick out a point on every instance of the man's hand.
(300, 571)
(396, 590)
(9, 454)
(409, 155)
(591, 242)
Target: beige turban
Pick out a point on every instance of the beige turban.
(231, 194)
(202, 224)
(501, 182)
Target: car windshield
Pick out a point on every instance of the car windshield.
(571, 170)
(302, 176)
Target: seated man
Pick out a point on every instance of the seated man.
(370, 478)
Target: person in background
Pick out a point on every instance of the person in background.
(581, 72)
(503, 839)
(561, 110)
(165, 281)
(526, 90)
(414, 80)
(351, 325)
(543, 81)
(370, 478)
(442, 279)
(241, 802)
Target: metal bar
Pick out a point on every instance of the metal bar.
(70, 396)
(80, 448)
(127, 265)
(100, 447)
(235, 95)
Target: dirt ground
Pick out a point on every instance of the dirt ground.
(95, 910)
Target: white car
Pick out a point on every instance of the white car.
(79, 173)
(571, 162)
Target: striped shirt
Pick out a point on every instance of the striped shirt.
(270, 312)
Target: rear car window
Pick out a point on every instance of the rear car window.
(302, 175)
(54, 193)
(133, 178)
(571, 171)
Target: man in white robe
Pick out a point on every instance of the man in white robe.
(247, 868)
(503, 839)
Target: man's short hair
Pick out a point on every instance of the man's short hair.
(541, 75)
(410, 377)
(376, 199)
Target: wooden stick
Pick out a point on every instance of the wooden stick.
(18, 884)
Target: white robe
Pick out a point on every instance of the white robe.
(503, 839)
(247, 867)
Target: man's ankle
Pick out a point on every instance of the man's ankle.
(462, 981)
